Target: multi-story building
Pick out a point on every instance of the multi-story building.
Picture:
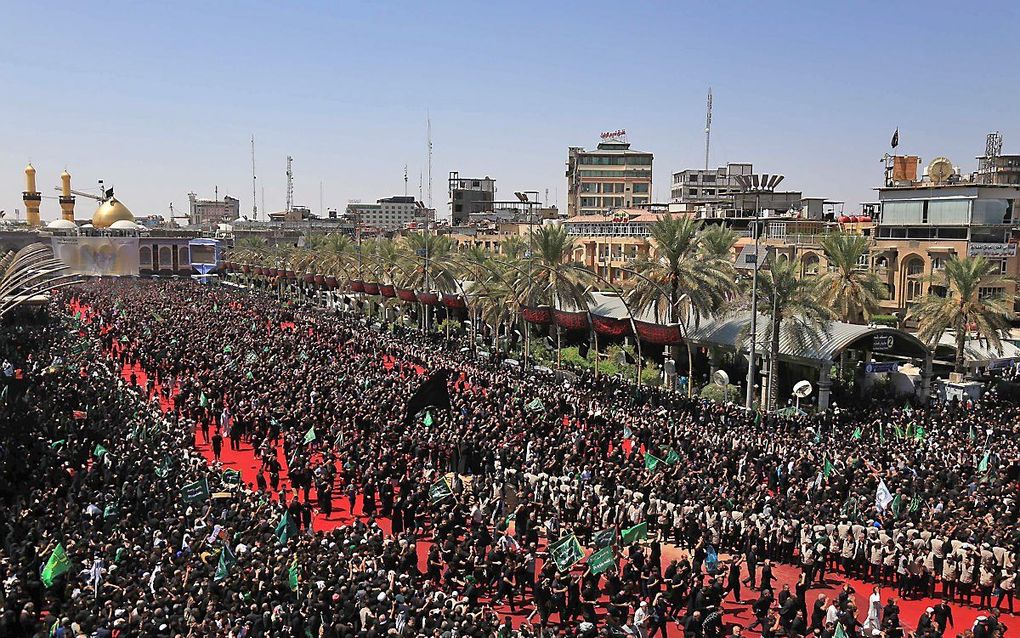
(611, 176)
(697, 188)
(609, 243)
(208, 212)
(920, 226)
(716, 193)
(389, 213)
(469, 195)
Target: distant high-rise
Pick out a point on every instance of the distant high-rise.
(206, 212)
(611, 176)
(470, 195)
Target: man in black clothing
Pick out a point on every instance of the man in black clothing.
(943, 615)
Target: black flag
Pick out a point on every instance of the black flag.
(433, 392)
(895, 138)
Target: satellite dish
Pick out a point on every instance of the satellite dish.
(720, 378)
(802, 389)
(939, 170)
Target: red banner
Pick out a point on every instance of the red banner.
(611, 327)
(541, 315)
(658, 334)
(571, 320)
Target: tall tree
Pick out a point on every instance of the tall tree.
(795, 312)
(962, 307)
(683, 279)
(850, 291)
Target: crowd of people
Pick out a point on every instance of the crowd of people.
(921, 498)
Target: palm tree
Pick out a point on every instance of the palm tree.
(963, 307)
(550, 278)
(718, 241)
(795, 312)
(851, 292)
(686, 275)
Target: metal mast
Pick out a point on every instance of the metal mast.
(290, 184)
(708, 126)
(405, 180)
(254, 202)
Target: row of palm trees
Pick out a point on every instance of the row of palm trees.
(687, 276)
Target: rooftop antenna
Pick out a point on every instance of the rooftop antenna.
(421, 196)
(429, 129)
(290, 184)
(708, 126)
(263, 188)
(320, 198)
(254, 204)
(405, 180)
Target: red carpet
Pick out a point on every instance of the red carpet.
(245, 461)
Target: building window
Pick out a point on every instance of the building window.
(693, 192)
(937, 263)
(692, 178)
(988, 293)
(810, 266)
(915, 283)
(640, 188)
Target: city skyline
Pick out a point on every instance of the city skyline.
(162, 100)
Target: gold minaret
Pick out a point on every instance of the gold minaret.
(66, 198)
(31, 197)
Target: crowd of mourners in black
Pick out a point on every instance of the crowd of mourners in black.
(146, 562)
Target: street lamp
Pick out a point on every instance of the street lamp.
(756, 184)
(523, 197)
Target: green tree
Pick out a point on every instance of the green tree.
(962, 307)
(684, 279)
(795, 313)
(717, 241)
(851, 292)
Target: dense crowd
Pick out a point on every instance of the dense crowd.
(99, 469)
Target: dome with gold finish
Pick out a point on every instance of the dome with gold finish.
(109, 212)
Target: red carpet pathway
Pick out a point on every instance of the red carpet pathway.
(245, 461)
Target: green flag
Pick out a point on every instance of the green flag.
(898, 430)
(228, 349)
(602, 560)
(633, 534)
(221, 568)
(99, 452)
(897, 505)
(565, 552)
(310, 435)
(605, 538)
(231, 477)
(428, 419)
(57, 444)
(249, 376)
(970, 433)
(196, 492)
(165, 467)
(293, 577)
(915, 503)
(672, 458)
(285, 529)
(440, 490)
(907, 409)
(919, 432)
(827, 468)
(651, 461)
(983, 465)
(55, 566)
(840, 631)
(110, 511)
(627, 433)
(203, 402)
(535, 405)
(858, 432)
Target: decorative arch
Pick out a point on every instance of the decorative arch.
(913, 268)
(166, 258)
(810, 264)
(145, 256)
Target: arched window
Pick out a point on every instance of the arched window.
(810, 268)
(915, 278)
(145, 256)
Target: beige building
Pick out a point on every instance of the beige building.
(610, 243)
(609, 177)
(921, 226)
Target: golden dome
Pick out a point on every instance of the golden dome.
(29, 170)
(109, 212)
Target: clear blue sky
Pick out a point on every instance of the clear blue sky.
(160, 98)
